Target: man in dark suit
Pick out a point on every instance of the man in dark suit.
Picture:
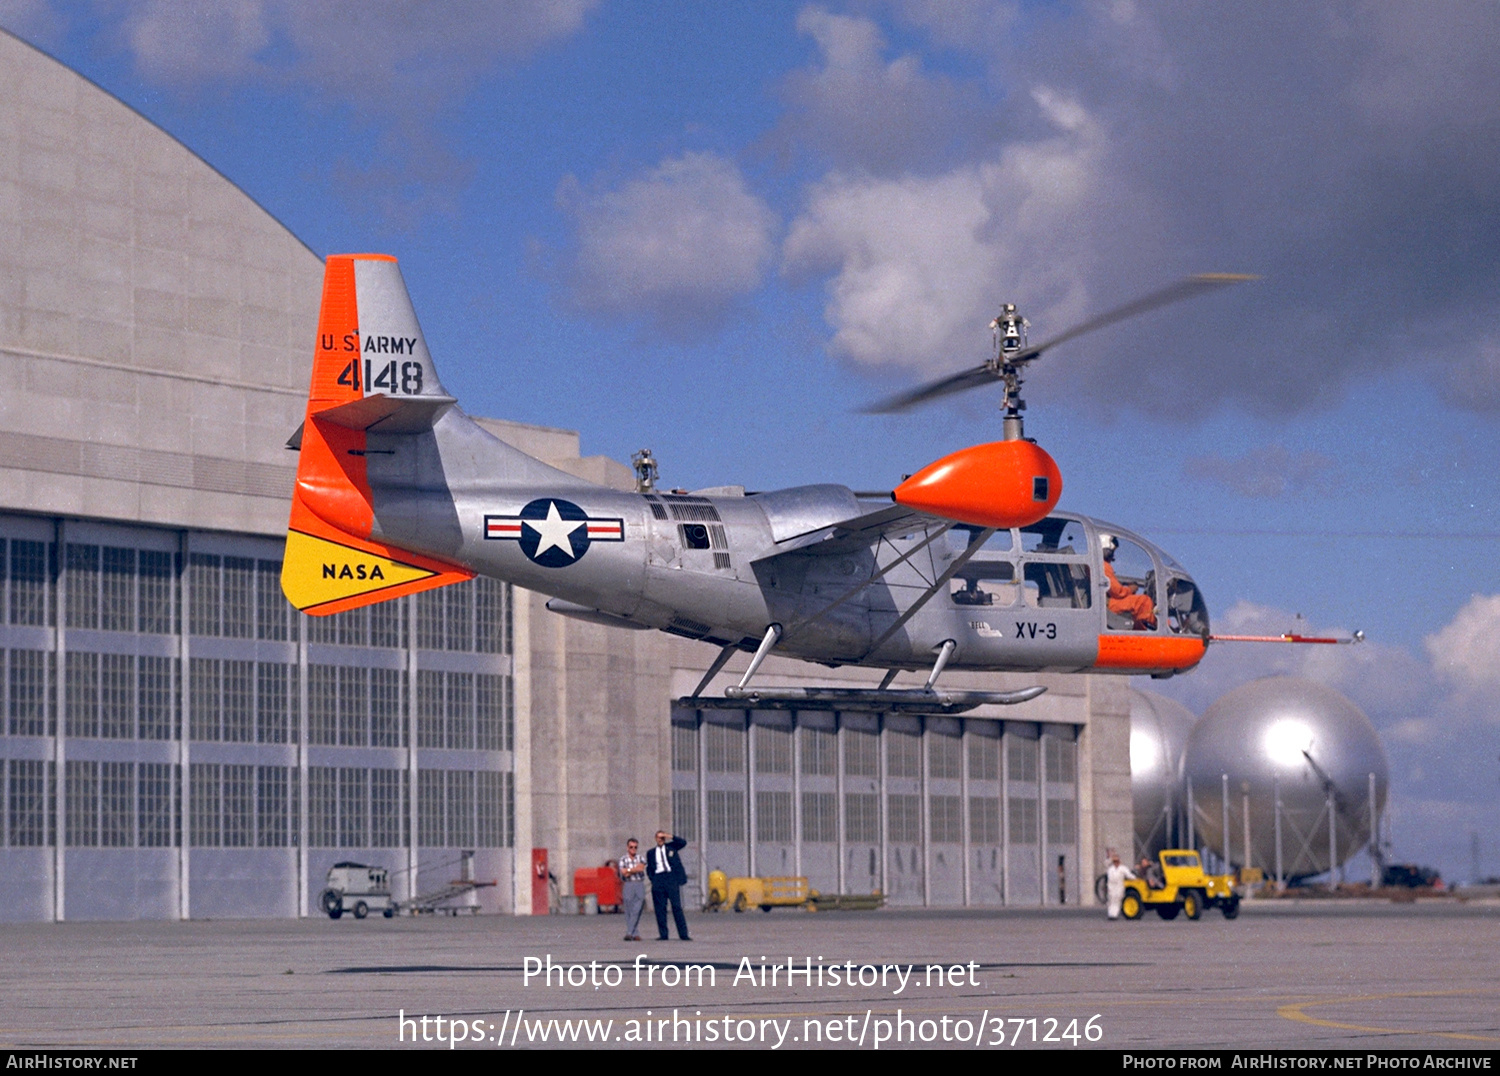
(667, 875)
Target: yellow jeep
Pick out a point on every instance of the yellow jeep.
(1186, 889)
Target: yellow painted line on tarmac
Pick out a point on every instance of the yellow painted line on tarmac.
(1294, 1012)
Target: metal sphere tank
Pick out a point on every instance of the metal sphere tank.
(1296, 739)
(1159, 730)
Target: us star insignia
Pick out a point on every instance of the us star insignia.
(553, 532)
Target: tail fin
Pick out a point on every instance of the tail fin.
(371, 370)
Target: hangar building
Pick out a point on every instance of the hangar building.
(176, 742)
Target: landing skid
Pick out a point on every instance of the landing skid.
(833, 698)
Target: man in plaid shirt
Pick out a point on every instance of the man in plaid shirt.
(633, 887)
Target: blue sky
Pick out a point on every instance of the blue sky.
(718, 230)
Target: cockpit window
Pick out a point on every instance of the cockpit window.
(1060, 585)
(1131, 575)
(1187, 614)
(984, 582)
(1054, 535)
(960, 537)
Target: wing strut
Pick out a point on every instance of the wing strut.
(713, 670)
(976, 542)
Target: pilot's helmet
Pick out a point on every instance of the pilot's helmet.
(1108, 543)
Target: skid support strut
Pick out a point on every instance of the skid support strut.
(773, 633)
(944, 653)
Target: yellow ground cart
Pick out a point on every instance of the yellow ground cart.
(763, 893)
(1184, 888)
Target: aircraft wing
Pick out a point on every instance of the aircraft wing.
(858, 532)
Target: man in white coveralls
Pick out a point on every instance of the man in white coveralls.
(1114, 877)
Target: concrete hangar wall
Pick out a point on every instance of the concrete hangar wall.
(175, 742)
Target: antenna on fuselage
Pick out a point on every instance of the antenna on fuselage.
(645, 471)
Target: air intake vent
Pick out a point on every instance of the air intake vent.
(658, 511)
(688, 629)
(721, 560)
(697, 513)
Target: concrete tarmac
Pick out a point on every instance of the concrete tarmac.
(1288, 975)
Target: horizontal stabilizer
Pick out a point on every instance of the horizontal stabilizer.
(836, 698)
(388, 414)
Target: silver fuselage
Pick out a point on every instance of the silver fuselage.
(724, 567)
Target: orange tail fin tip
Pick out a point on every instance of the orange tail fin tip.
(332, 563)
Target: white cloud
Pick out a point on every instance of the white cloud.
(1267, 472)
(1380, 678)
(1339, 152)
(676, 246)
(962, 24)
(920, 264)
(1410, 70)
(1467, 651)
(859, 110)
(909, 265)
(349, 49)
(1471, 378)
(194, 43)
(397, 65)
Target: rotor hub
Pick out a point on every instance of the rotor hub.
(1009, 330)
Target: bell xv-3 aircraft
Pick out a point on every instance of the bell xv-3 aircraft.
(965, 565)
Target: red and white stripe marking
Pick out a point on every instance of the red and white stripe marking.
(509, 527)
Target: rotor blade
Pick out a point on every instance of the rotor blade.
(1186, 288)
(981, 375)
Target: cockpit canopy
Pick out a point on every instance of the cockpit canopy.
(1151, 571)
(1059, 561)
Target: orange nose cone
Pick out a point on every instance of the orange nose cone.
(1003, 484)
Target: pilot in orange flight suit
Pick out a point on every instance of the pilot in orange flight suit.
(1123, 599)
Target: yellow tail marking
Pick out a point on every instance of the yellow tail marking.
(316, 571)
